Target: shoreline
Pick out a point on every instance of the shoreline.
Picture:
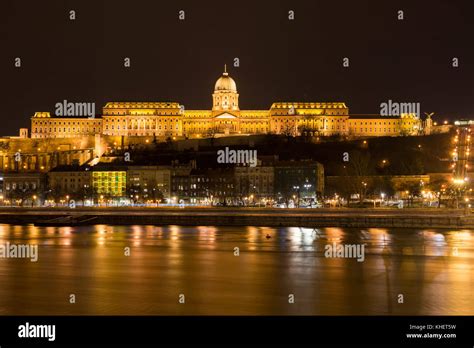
(270, 217)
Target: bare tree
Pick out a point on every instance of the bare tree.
(359, 168)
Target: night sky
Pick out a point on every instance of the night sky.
(280, 60)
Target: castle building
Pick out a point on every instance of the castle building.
(171, 119)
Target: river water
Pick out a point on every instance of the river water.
(274, 271)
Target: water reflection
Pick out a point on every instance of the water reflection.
(432, 269)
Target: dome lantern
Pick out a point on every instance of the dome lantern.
(225, 96)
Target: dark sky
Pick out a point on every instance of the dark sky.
(280, 60)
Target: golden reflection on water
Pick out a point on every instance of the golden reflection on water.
(432, 268)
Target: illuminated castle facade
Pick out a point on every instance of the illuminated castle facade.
(170, 119)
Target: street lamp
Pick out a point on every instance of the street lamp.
(363, 191)
(297, 188)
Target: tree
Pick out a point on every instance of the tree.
(22, 194)
(382, 184)
(153, 191)
(289, 131)
(439, 188)
(412, 189)
(55, 193)
(359, 168)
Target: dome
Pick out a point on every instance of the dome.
(225, 83)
